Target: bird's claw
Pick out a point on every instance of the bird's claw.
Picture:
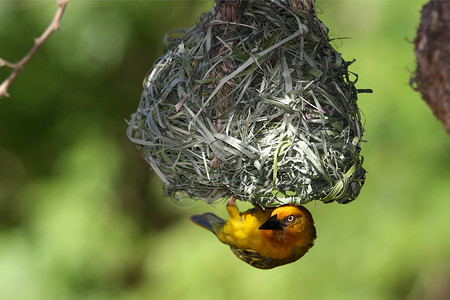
(231, 201)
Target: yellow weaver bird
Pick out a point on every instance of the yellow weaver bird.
(266, 238)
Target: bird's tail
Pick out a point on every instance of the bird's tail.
(209, 221)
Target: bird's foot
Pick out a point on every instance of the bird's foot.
(232, 208)
(232, 201)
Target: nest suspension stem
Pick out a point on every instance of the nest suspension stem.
(229, 10)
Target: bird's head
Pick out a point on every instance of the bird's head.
(292, 225)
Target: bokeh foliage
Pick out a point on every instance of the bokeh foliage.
(81, 216)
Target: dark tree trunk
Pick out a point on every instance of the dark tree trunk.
(432, 48)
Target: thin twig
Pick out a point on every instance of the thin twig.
(54, 25)
(7, 63)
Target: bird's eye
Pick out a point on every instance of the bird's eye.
(290, 218)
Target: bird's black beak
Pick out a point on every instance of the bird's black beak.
(272, 224)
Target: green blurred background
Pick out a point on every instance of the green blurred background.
(81, 215)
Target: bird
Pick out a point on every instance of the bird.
(265, 238)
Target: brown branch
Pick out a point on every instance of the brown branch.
(432, 48)
(54, 25)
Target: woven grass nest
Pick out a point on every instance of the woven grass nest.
(252, 102)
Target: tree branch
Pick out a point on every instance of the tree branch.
(54, 25)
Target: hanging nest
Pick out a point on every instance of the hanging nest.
(252, 102)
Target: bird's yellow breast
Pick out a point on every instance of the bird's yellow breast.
(242, 232)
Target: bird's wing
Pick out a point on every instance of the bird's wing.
(255, 259)
(259, 261)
